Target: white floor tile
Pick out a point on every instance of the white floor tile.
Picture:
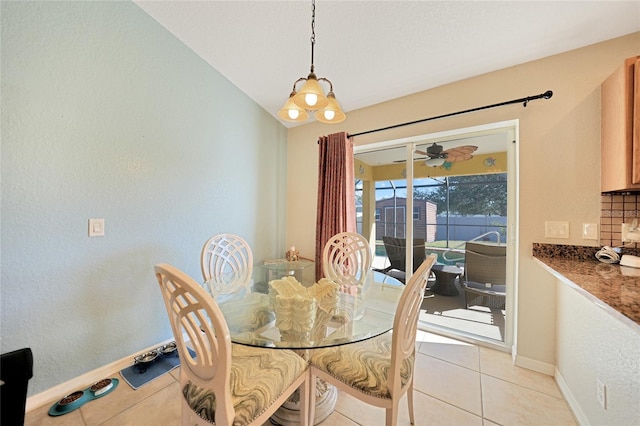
(500, 365)
(453, 351)
(448, 382)
(506, 403)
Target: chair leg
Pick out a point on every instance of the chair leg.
(304, 402)
(410, 401)
(311, 397)
(392, 415)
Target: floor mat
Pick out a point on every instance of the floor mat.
(136, 375)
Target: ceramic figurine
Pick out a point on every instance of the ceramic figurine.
(292, 254)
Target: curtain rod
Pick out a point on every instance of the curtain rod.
(545, 95)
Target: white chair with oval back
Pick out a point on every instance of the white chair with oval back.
(346, 259)
(224, 383)
(227, 264)
(379, 371)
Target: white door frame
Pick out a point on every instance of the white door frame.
(511, 127)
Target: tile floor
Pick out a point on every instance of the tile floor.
(455, 384)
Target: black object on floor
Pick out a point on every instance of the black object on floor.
(16, 369)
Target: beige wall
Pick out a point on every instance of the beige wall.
(558, 157)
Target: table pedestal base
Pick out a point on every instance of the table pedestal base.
(289, 413)
(445, 280)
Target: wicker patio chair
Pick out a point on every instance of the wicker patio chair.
(484, 281)
(396, 249)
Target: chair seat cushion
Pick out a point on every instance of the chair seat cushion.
(258, 377)
(363, 366)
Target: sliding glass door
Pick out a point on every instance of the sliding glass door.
(434, 194)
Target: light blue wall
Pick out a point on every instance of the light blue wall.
(107, 115)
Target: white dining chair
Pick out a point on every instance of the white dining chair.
(226, 262)
(346, 259)
(223, 383)
(379, 371)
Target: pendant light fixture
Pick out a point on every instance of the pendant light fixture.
(311, 96)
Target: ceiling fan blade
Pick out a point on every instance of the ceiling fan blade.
(460, 153)
(463, 149)
(452, 158)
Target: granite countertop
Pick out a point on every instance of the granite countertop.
(617, 287)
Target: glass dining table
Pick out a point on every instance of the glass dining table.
(256, 318)
(260, 318)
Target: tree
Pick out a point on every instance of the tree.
(469, 195)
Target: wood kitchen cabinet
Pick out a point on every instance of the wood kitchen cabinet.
(620, 95)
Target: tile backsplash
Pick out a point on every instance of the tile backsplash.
(615, 210)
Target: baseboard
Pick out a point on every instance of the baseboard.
(58, 392)
(573, 403)
(532, 364)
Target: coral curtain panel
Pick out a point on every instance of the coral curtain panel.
(336, 191)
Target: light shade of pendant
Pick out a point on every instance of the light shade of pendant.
(311, 96)
(435, 162)
(332, 113)
(292, 112)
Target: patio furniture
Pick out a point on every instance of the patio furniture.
(445, 283)
(484, 280)
(396, 249)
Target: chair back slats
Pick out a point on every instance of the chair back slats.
(346, 259)
(226, 262)
(196, 318)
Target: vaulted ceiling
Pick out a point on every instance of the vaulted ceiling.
(374, 51)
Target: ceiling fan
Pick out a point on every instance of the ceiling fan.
(437, 156)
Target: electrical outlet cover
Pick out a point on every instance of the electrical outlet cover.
(590, 231)
(630, 233)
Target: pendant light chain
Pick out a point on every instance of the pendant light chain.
(313, 30)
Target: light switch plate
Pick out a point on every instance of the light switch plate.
(556, 229)
(96, 227)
